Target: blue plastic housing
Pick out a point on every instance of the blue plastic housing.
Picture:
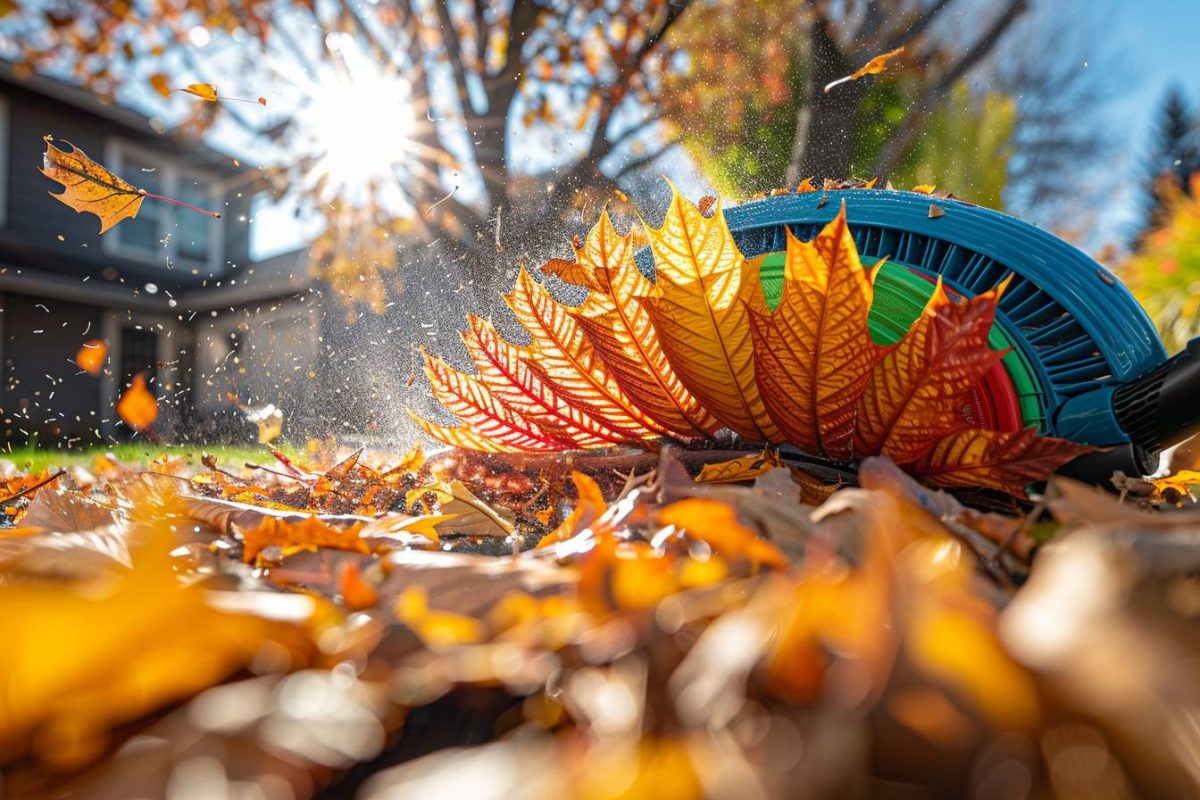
(1078, 327)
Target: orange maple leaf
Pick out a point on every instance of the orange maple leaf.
(873, 67)
(813, 353)
(138, 407)
(916, 393)
(701, 320)
(91, 355)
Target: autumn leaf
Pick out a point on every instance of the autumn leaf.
(588, 508)
(716, 523)
(620, 328)
(469, 400)
(813, 355)
(72, 654)
(1181, 481)
(92, 188)
(873, 67)
(1004, 460)
(91, 356)
(504, 369)
(701, 321)
(464, 513)
(159, 82)
(736, 470)
(205, 91)
(312, 532)
(268, 419)
(138, 407)
(916, 393)
(566, 359)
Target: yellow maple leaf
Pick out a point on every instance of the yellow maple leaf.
(622, 332)
(702, 323)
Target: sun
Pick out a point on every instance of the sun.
(360, 124)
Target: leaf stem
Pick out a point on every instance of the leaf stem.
(152, 196)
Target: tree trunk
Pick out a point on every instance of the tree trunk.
(823, 144)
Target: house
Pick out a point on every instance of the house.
(174, 294)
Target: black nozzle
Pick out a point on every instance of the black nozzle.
(1162, 407)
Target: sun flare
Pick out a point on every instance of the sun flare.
(361, 121)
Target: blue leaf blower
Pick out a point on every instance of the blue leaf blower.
(1085, 362)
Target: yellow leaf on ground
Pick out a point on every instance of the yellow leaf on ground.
(717, 524)
(736, 470)
(701, 320)
(138, 407)
(312, 532)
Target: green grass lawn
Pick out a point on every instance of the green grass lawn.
(33, 459)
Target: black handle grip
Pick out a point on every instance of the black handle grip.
(1162, 408)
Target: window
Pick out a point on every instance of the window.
(163, 233)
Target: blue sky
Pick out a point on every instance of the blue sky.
(1147, 46)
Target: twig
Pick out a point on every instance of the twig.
(33, 488)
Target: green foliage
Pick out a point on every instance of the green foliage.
(1164, 273)
(964, 148)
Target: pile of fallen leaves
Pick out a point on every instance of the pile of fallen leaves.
(594, 625)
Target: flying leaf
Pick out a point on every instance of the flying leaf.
(268, 419)
(138, 407)
(813, 355)
(620, 328)
(701, 321)
(92, 188)
(1003, 460)
(916, 393)
(873, 67)
(159, 82)
(205, 91)
(91, 356)
(470, 401)
(566, 359)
